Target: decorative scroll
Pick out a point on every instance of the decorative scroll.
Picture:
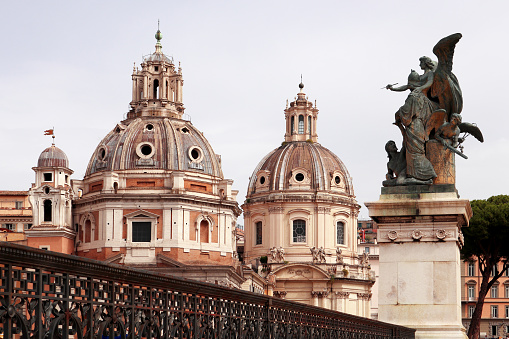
(49, 295)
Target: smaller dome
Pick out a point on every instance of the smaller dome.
(53, 157)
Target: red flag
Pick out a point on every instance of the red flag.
(48, 132)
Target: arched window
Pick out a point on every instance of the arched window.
(156, 89)
(47, 210)
(309, 125)
(340, 233)
(115, 187)
(301, 124)
(258, 238)
(204, 231)
(299, 230)
(292, 124)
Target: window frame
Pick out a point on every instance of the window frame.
(471, 310)
(344, 233)
(142, 216)
(494, 311)
(293, 236)
(494, 291)
(44, 174)
(258, 235)
(471, 269)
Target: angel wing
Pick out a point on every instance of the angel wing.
(472, 129)
(445, 84)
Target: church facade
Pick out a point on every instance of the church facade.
(300, 221)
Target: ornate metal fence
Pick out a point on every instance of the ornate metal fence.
(50, 295)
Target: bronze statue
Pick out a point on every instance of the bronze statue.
(430, 114)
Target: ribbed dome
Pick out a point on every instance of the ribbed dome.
(53, 157)
(302, 166)
(155, 143)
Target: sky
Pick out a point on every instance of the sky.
(68, 65)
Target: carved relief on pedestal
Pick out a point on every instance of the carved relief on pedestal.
(442, 234)
(280, 294)
(342, 295)
(417, 234)
(392, 235)
(461, 239)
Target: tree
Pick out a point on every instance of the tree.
(486, 240)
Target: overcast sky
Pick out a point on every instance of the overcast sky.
(68, 65)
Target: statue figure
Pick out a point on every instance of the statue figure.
(321, 254)
(273, 253)
(412, 118)
(431, 111)
(364, 258)
(396, 166)
(281, 254)
(314, 252)
(339, 255)
(448, 133)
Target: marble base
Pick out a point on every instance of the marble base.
(419, 235)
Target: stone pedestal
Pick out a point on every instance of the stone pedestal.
(419, 234)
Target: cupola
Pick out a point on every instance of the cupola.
(301, 118)
(157, 87)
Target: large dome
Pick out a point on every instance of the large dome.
(155, 143)
(53, 157)
(300, 165)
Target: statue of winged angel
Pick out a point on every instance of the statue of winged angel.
(435, 100)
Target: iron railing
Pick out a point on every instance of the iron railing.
(51, 295)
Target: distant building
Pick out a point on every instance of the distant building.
(300, 220)
(367, 230)
(372, 250)
(495, 315)
(15, 216)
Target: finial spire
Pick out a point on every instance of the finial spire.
(159, 37)
(301, 85)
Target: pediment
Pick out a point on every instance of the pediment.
(141, 214)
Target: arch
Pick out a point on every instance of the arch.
(48, 209)
(204, 231)
(156, 89)
(87, 223)
(204, 225)
(301, 124)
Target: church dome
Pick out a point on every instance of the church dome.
(155, 143)
(300, 165)
(53, 157)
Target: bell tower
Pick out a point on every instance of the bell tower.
(301, 119)
(51, 198)
(157, 87)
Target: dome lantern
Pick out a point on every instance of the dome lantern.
(301, 119)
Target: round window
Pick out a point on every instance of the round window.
(149, 127)
(337, 179)
(46, 190)
(299, 177)
(102, 153)
(145, 150)
(195, 154)
(262, 180)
